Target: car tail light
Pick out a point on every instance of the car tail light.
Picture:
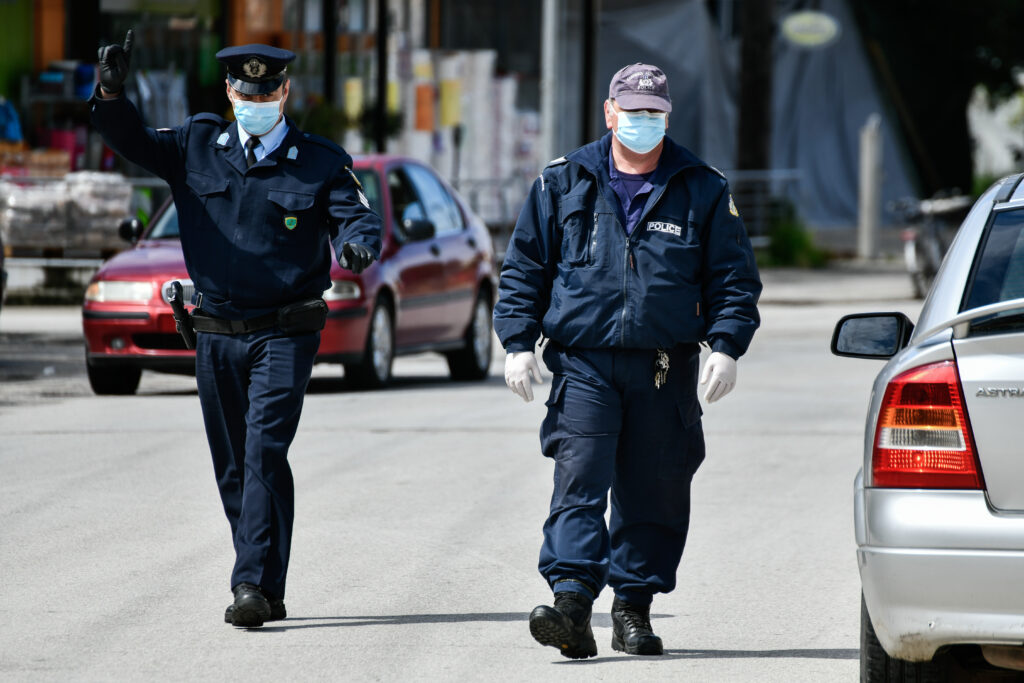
(923, 439)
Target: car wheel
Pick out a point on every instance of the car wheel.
(876, 666)
(473, 360)
(374, 370)
(113, 380)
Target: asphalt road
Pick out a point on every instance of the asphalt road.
(419, 512)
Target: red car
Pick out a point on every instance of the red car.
(432, 290)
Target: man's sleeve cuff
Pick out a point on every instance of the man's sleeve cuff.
(518, 347)
(723, 345)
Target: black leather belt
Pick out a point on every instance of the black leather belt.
(301, 317)
(205, 323)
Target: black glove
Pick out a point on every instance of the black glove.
(114, 61)
(356, 257)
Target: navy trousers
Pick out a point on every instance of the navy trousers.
(608, 428)
(251, 388)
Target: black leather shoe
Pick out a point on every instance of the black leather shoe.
(251, 607)
(565, 626)
(277, 611)
(631, 629)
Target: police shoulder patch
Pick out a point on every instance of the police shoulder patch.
(557, 162)
(354, 178)
(732, 207)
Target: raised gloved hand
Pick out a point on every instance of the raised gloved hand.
(519, 367)
(356, 257)
(114, 61)
(719, 374)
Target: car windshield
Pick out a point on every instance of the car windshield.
(166, 226)
(998, 273)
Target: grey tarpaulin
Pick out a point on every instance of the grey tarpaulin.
(822, 98)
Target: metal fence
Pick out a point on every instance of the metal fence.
(764, 197)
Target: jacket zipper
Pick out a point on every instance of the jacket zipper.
(627, 259)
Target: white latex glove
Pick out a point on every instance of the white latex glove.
(720, 376)
(519, 366)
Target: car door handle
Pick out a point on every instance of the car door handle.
(435, 250)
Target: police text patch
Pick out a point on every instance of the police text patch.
(665, 227)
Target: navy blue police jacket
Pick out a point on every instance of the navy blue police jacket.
(254, 239)
(685, 275)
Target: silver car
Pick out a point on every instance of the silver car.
(939, 502)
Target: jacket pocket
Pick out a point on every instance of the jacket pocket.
(205, 185)
(289, 215)
(576, 223)
(291, 201)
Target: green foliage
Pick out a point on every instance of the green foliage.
(368, 124)
(982, 181)
(326, 120)
(789, 242)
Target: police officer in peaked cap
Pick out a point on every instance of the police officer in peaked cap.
(628, 254)
(261, 207)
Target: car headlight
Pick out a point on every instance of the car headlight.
(343, 290)
(119, 290)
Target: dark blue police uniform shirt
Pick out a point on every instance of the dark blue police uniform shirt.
(632, 190)
(255, 238)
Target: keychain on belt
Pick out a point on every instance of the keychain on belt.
(660, 369)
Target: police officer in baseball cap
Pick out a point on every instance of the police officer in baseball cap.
(628, 254)
(261, 207)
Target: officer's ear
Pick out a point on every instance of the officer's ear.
(609, 115)
(284, 92)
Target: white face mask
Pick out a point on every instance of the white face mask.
(258, 118)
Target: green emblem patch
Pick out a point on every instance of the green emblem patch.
(290, 222)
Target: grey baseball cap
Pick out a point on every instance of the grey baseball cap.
(640, 86)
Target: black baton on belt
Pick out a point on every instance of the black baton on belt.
(182, 320)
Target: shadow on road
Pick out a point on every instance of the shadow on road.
(729, 654)
(396, 620)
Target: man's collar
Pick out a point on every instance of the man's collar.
(271, 139)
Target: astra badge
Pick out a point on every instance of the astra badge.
(1000, 392)
(290, 222)
(254, 68)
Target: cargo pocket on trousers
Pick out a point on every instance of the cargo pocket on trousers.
(680, 462)
(551, 433)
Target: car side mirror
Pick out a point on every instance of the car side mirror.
(130, 230)
(417, 229)
(871, 335)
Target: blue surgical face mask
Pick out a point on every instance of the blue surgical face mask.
(257, 117)
(641, 131)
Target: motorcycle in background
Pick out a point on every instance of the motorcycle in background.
(931, 225)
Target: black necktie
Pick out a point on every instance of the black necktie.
(250, 153)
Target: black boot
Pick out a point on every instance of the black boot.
(631, 629)
(565, 626)
(251, 607)
(277, 611)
